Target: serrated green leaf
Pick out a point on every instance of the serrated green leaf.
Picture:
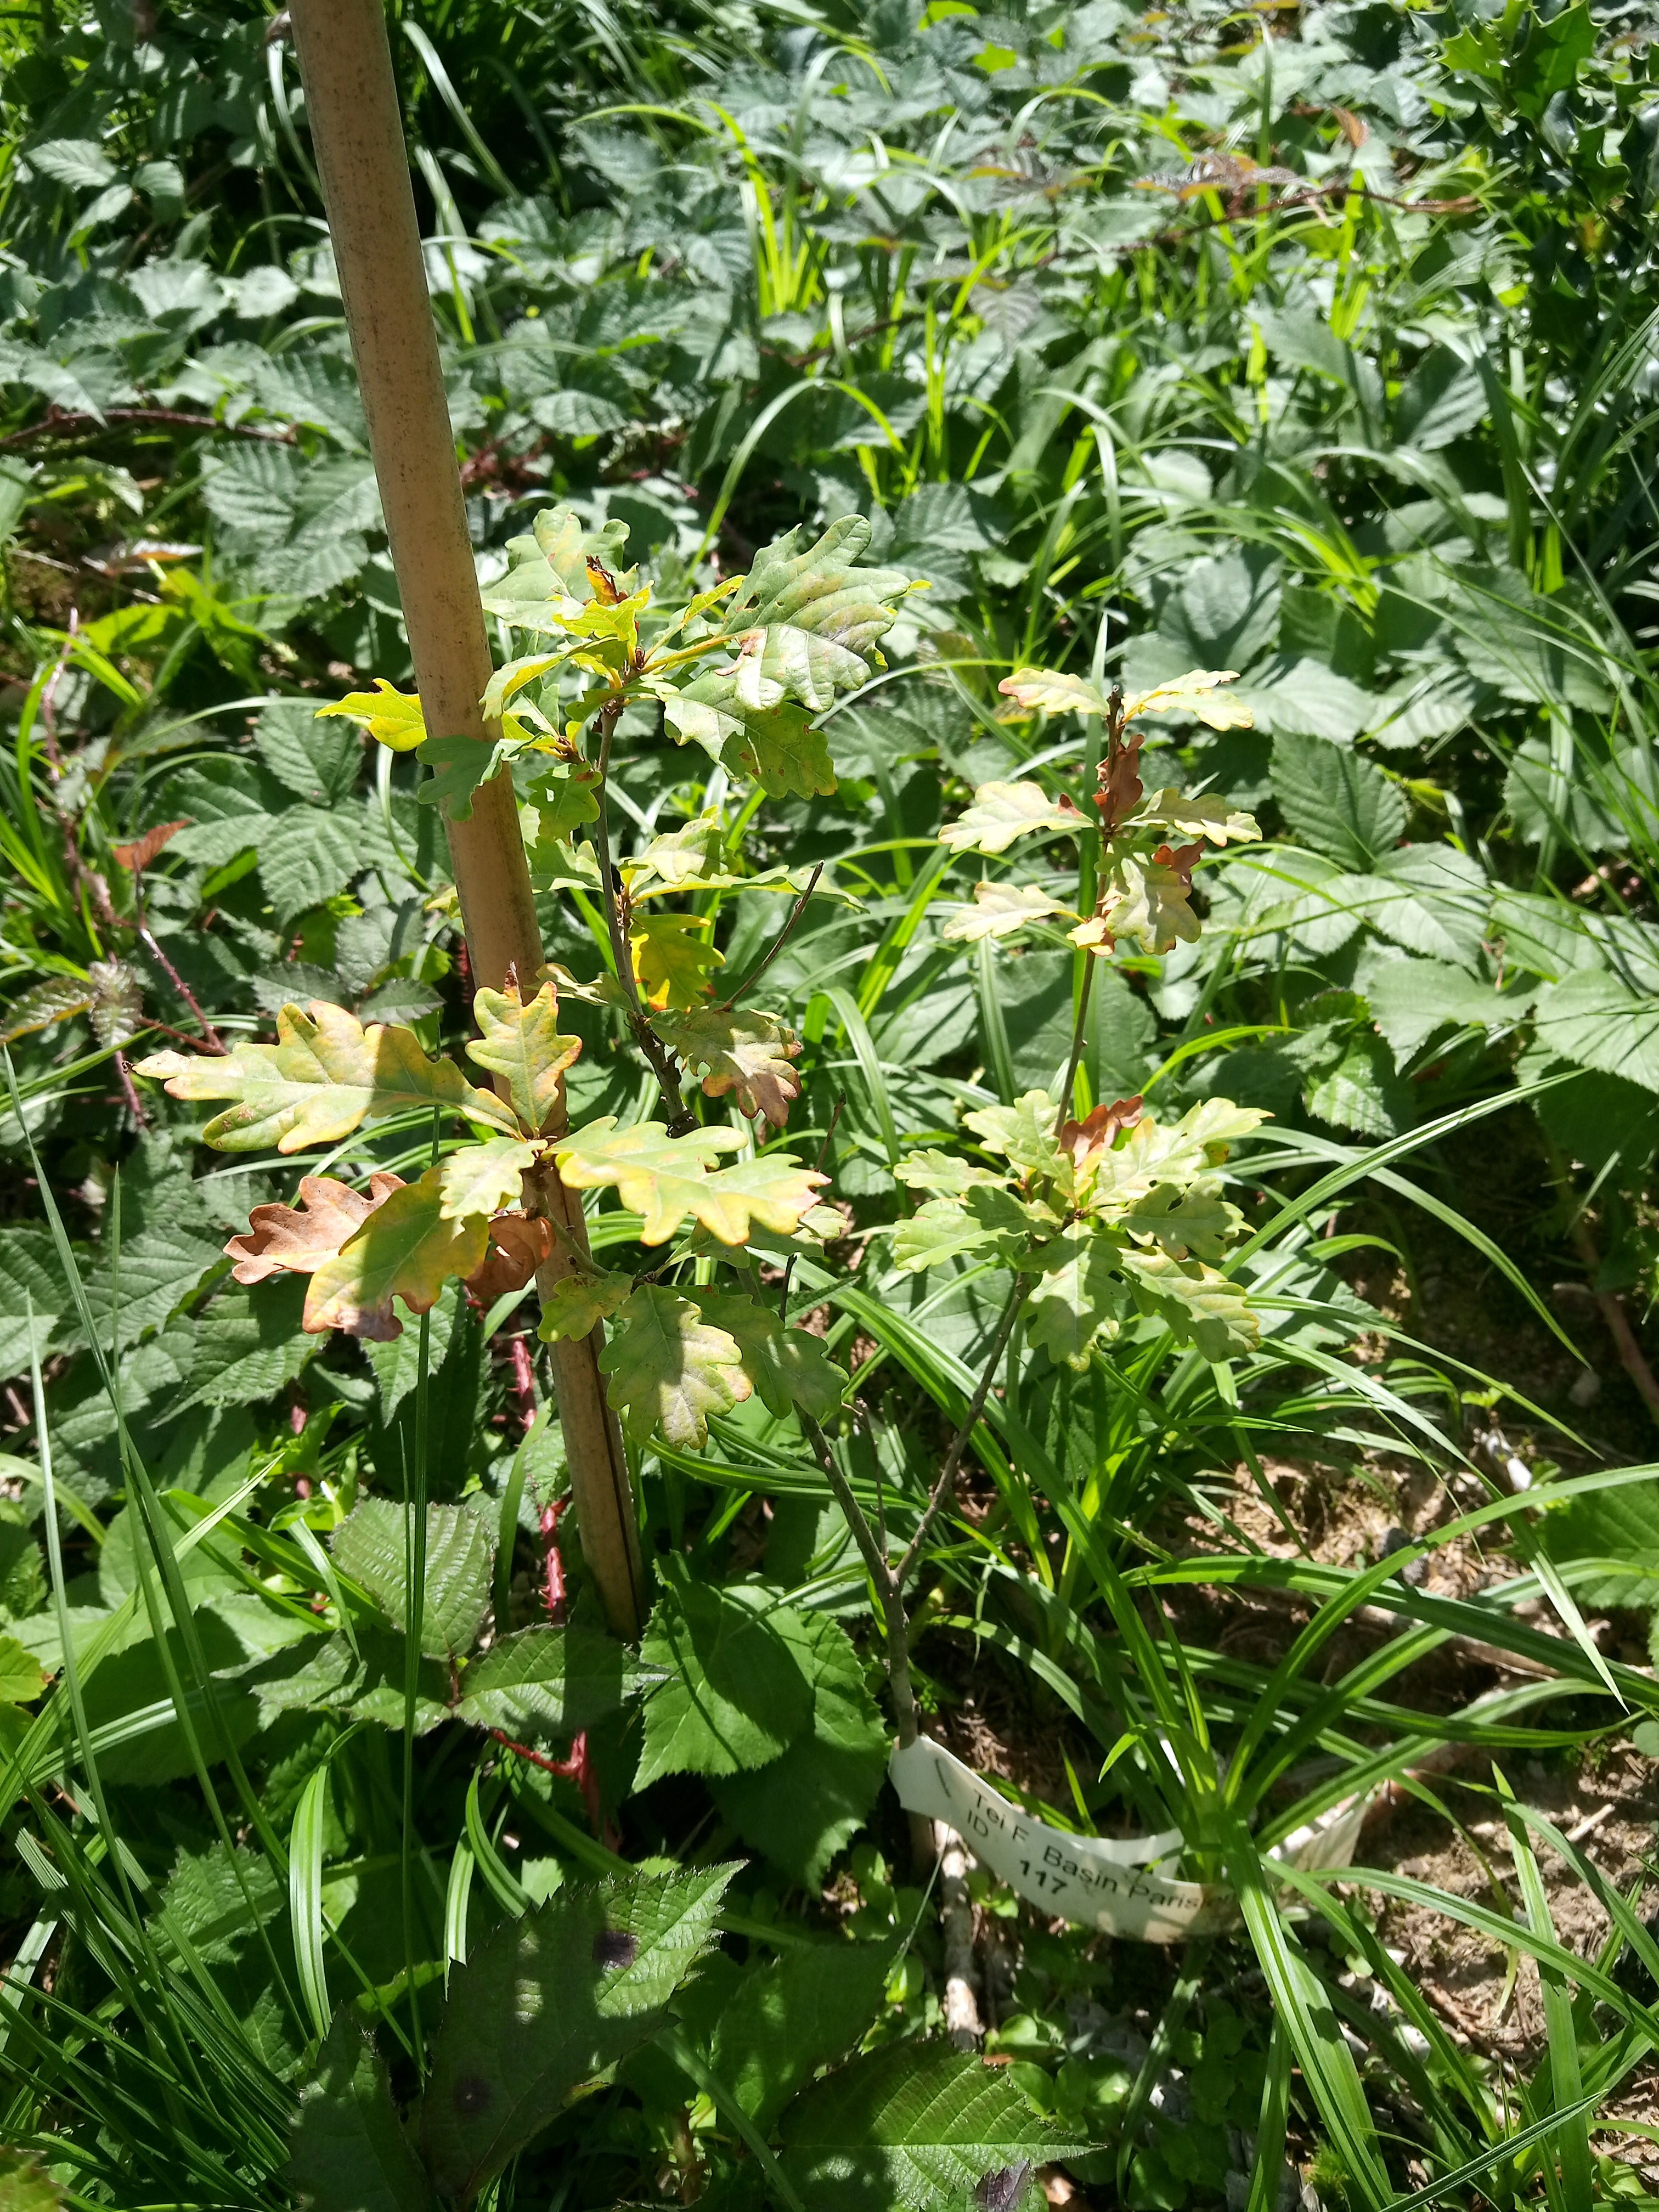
(805, 2010)
(349, 2152)
(669, 1370)
(916, 2126)
(20, 1677)
(392, 718)
(1337, 801)
(747, 1054)
(483, 1179)
(406, 1249)
(736, 1694)
(369, 1546)
(322, 1079)
(522, 1043)
(1002, 811)
(550, 1681)
(552, 2001)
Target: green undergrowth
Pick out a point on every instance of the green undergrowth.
(348, 1857)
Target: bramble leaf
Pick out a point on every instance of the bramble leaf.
(323, 1078)
(915, 2125)
(392, 718)
(484, 1178)
(746, 1053)
(406, 1249)
(21, 1676)
(672, 958)
(805, 2010)
(550, 1681)
(349, 2151)
(369, 1546)
(1000, 908)
(522, 1042)
(550, 2002)
(577, 1304)
(670, 1370)
(1002, 811)
(736, 1694)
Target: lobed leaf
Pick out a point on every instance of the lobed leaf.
(486, 1178)
(1045, 692)
(664, 1178)
(672, 957)
(392, 718)
(578, 1304)
(747, 1054)
(999, 909)
(406, 1248)
(301, 1237)
(1199, 693)
(521, 1043)
(1002, 811)
(669, 1370)
(323, 1078)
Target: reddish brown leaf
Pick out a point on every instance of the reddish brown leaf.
(142, 850)
(1096, 1132)
(298, 1238)
(518, 1245)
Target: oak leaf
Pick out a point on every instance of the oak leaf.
(325, 1076)
(672, 958)
(486, 1178)
(1002, 811)
(575, 1306)
(405, 1249)
(669, 1369)
(392, 718)
(519, 1243)
(747, 1054)
(999, 909)
(522, 1042)
(660, 1177)
(298, 1238)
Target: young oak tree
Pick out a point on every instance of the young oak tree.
(1098, 1221)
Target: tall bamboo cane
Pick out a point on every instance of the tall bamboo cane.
(356, 129)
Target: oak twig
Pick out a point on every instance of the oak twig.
(778, 942)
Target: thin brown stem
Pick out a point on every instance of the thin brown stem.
(778, 942)
(887, 1590)
(56, 423)
(824, 1154)
(1630, 1355)
(215, 1042)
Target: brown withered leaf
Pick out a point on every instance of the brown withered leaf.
(1095, 1132)
(142, 850)
(518, 1245)
(297, 1239)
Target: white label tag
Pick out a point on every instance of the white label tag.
(1112, 1886)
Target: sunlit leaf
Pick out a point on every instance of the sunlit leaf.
(392, 718)
(301, 1237)
(1198, 693)
(745, 1052)
(1002, 811)
(325, 1077)
(673, 958)
(405, 1249)
(484, 1178)
(660, 1177)
(1043, 691)
(669, 1370)
(522, 1043)
(999, 909)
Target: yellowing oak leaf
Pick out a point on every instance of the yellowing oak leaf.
(1002, 811)
(679, 858)
(774, 1190)
(392, 718)
(1080, 1297)
(325, 1077)
(405, 1249)
(669, 1370)
(746, 1054)
(577, 1305)
(775, 747)
(672, 958)
(1201, 1306)
(298, 1238)
(1207, 816)
(660, 1177)
(1198, 693)
(999, 909)
(1044, 690)
(1149, 900)
(484, 1179)
(521, 1042)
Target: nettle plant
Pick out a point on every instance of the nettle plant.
(1103, 1224)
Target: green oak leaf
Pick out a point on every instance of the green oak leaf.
(669, 1370)
(521, 1042)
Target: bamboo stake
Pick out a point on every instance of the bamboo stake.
(356, 129)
